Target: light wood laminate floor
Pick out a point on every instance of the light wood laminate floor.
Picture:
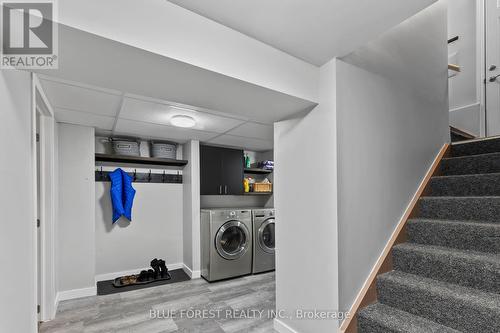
(229, 306)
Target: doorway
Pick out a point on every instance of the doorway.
(45, 200)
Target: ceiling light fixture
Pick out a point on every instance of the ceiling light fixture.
(183, 121)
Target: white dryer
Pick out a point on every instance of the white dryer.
(264, 240)
(226, 243)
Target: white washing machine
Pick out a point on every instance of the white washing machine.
(264, 240)
(226, 243)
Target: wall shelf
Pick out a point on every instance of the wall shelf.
(258, 193)
(256, 171)
(139, 160)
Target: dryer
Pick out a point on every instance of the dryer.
(226, 243)
(264, 240)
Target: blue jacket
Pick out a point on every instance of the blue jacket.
(122, 194)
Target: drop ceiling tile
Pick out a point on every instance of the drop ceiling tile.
(254, 130)
(81, 99)
(242, 142)
(85, 119)
(149, 130)
(157, 113)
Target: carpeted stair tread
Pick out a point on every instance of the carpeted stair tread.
(473, 164)
(380, 318)
(465, 185)
(466, 268)
(465, 235)
(491, 145)
(451, 305)
(461, 208)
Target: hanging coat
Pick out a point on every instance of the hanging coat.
(122, 194)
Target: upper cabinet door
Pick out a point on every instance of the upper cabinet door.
(211, 171)
(232, 168)
(221, 171)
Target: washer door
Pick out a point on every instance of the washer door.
(266, 236)
(232, 240)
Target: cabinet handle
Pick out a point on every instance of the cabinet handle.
(225, 189)
(220, 189)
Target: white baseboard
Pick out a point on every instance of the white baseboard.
(114, 275)
(281, 327)
(192, 274)
(75, 293)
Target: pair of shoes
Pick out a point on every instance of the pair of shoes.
(159, 267)
(146, 276)
(128, 280)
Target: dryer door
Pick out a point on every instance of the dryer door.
(266, 236)
(232, 240)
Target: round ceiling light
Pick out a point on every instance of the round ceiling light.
(183, 121)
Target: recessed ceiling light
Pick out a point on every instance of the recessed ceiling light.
(183, 121)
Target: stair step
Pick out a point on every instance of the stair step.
(474, 164)
(465, 185)
(461, 308)
(464, 235)
(380, 318)
(476, 147)
(460, 208)
(465, 268)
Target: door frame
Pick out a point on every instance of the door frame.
(481, 65)
(47, 201)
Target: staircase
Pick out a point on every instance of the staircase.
(446, 278)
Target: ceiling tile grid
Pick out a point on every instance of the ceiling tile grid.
(117, 113)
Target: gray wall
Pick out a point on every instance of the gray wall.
(155, 230)
(17, 239)
(392, 120)
(76, 221)
(305, 202)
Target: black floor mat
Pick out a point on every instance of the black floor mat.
(107, 288)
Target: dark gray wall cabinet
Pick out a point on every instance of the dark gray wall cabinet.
(221, 171)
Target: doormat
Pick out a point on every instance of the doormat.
(107, 288)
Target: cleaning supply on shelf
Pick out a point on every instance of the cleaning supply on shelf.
(247, 161)
(122, 194)
(246, 185)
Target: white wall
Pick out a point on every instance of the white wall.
(392, 120)
(191, 207)
(154, 232)
(17, 239)
(76, 221)
(169, 30)
(305, 202)
(463, 93)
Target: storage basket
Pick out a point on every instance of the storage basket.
(125, 146)
(262, 187)
(164, 149)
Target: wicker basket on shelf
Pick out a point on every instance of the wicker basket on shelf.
(262, 187)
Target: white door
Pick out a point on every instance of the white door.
(492, 67)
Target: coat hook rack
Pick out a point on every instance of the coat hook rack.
(145, 177)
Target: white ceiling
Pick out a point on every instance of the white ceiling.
(313, 30)
(117, 113)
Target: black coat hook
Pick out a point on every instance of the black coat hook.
(135, 175)
(163, 177)
(149, 176)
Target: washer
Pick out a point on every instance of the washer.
(226, 243)
(264, 240)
